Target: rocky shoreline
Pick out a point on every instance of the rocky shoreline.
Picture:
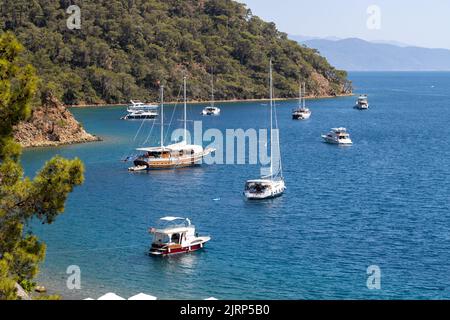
(98, 105)
(51, 124)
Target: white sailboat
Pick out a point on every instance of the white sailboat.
(302, 112)
(273, 185)
(211, 110)
(171, 156)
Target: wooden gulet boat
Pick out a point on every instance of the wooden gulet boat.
(172, 156)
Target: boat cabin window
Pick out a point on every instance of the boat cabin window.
(161, 238)
(255, 187)
(157, 154)
(176, 238)
(153, 154)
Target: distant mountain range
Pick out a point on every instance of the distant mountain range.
(354, 54)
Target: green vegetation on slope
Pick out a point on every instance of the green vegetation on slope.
(125, 47)
(23, 199)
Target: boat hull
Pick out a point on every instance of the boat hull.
(275, 191)
(141, 165)
(333, 141)
(157, 252)
(301, 116)
(147, 117)
(210, 113)
(268, 196)
(170, 163)
(166, 251)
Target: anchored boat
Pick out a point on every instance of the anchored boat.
(175, 235)
(273, 185)
(171, 156)
(138, 111)
(302, 112)
(338, 136)
(211, 110)
(362, 103)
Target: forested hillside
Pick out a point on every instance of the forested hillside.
(126, 47)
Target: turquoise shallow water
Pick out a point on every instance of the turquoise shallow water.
(383, 201)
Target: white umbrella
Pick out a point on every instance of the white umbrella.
(111, 296)
(142, 296)
(211, 298)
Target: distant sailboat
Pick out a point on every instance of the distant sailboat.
(211, 110)
(273, 185)
(174, 155)
(302, 112)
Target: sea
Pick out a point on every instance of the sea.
(369, 221)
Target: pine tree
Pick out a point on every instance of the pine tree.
(22, 198)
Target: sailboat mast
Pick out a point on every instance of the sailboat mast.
(212, 89)
(304, 95)
(185, 112)
(162, 116)
(300, 98)
(271, 120)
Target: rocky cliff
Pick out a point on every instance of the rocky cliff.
(51, 124)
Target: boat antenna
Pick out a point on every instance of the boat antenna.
(162, 116)
(185, 112)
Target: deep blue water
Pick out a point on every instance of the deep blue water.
(384, 201)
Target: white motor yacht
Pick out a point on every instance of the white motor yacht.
(338, 136)
(362, 103)
(138, 111)
(211, 111)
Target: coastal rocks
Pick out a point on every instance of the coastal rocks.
(51, 124)
(40, 289)
(21, 293)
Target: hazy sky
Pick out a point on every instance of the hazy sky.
(417, 22)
